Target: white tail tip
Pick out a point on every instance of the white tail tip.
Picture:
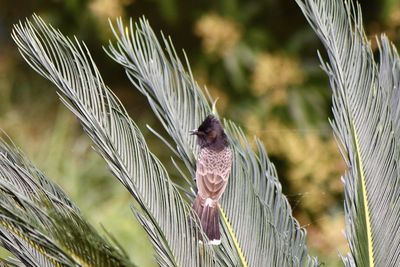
(214, 242)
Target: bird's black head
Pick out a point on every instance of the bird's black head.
(211, 134)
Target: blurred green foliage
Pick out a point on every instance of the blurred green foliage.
(258, 56)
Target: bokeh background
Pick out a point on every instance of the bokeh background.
(258, 56)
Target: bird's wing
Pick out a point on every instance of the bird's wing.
(211, 182)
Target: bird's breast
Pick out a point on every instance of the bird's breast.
(216, 160)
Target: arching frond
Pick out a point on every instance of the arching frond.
(11, 262)
(366, 124)
(167, 218)
(259, 229)
(40, 225)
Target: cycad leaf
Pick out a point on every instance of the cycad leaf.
(40, 225)
(366, 123)
(11, 262)
(259, 229)
(168, 219)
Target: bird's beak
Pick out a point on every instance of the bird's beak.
(193, 132)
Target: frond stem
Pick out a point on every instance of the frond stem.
(233, 236)
(365, 199)
(33, 244)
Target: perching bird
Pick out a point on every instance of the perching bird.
(212, 173)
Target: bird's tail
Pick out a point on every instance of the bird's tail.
(207, 210)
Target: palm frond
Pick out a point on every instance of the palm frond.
(171, 91)
(11, 262)
(389, 79)
(167, 218)
(259, 229)
(40, 225)
(366, 124)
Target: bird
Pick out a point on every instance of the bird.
(213, 168)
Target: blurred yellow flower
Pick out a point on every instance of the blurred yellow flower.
(329, 237)
(313, 171)
(394, 17)
(108, 8)
(219, 35)
(274, 74)
(314, 164)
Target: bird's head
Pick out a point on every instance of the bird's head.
(210, 133)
